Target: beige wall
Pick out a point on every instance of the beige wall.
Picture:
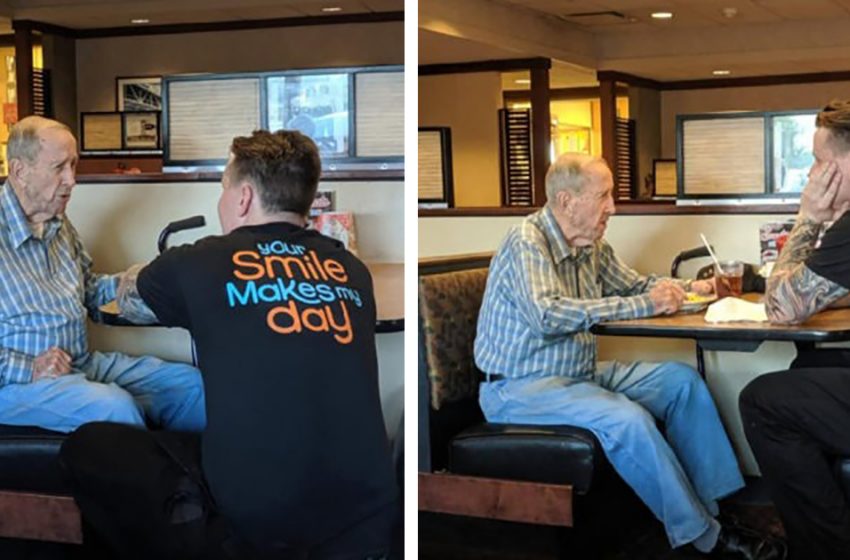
(649, 244)
(468, 104)
(762, 98)
(119, 224)
(100, 61)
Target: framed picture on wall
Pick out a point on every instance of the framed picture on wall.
(100, 131)
(141, 130)
(436, 185)
(140, 93)
(666, 181)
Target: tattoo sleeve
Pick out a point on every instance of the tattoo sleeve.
(794, 292)
(130, 303)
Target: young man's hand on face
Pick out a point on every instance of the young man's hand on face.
(817, 198)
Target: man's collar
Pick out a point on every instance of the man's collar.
(560, 248)
(16, 221)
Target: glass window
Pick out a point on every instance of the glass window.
(317, 105)
(792, 151)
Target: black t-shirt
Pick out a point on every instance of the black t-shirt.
(295, 448)
(832, 259)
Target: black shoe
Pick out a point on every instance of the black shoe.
(745, 544)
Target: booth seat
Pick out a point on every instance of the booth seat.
(464, 446)
(35, 502)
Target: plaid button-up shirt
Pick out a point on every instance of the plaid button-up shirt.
(46, 289)
(543, 296)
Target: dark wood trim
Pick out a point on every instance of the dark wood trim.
(236, 25)
(23, 70)
(630, 79)
(40, 517)
(117, 154)
(451, 263)
(541, 132)
(504, 65)
(624, 208)
(713, 83)
(506, 500)
(608, 123)
(43, 27)
(754, 81)
(560, 94)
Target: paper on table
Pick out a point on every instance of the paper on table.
(735, 309)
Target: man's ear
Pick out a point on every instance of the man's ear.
(564, 200)
(246, 198)
(17, 170)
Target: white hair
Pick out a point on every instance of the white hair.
(569, 172)
(24, 141)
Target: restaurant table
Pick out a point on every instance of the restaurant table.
(388, 280)
(832, 325)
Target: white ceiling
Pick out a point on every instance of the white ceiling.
(87, 14)
(688, 14)
(763, 37)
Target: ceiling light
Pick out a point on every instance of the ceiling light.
(524, 81)
(139, 21)
(662, 15)
(332, 9)
(721, 72)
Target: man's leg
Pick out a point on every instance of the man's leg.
(139, 490)
(627, 432)
(171, 394)
(66, 402)
(675, 394)
(796, 421)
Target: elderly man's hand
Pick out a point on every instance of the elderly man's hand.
(52, 363)
(817, 198)
(704, 287)
(667, 297)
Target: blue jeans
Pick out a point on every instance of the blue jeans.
(111, 387)
(679, 478)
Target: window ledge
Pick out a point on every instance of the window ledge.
(215, 176)
(631, 208)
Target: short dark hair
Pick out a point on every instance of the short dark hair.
(284, 166)
(836, 118)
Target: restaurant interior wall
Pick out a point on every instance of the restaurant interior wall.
(755, 98)
(468, 104)
(570, 116)
(649, 244)
(101, 60)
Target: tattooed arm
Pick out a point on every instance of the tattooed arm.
(794, 293)
(130, 303)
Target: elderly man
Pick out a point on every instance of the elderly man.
(295, 461)
(551, 280)
(798, 421)
(48, 376)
